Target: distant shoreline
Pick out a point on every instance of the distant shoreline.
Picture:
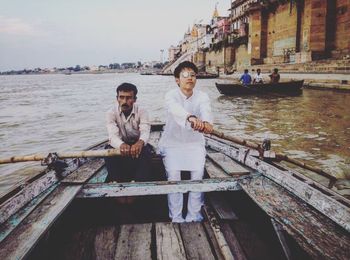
(75, 72)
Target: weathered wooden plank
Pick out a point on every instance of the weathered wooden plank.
(7, 227)
(321, 201)
(219, 236)
(317, 234)
(221, 206)
(227, 164)
(83, 173)
(195, 241)
(282, 239)
(160, 187)
(100, 176)
(134, 242)
(19, 243)
(214, 171)
(106, 242)
(213, 241)
(232, 241)
(315, 184)
(30, 191)
(169, 243)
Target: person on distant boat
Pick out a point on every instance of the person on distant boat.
(128, 129)
(182, 143)
(258, 78)
(245, 79)
(275, 76)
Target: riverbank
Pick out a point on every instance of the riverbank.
(311, 80)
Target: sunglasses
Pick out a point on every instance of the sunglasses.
(187, 74)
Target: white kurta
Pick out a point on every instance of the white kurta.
(181, 146)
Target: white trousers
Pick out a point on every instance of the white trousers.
(195, 199)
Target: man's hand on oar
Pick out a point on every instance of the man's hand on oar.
(199, 125)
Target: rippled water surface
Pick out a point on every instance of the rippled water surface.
(53, 113)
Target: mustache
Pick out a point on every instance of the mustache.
(125, 106)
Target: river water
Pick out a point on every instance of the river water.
(57, 113)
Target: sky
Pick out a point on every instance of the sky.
(47, 33)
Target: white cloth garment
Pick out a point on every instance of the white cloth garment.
(183, 149)
(181, 146)
(127, 130)
(258, 78)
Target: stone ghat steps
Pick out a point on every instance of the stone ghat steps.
(321, 66)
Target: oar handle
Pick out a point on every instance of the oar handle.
(66, 155)
(236, 140)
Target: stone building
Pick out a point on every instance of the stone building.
(291, 31)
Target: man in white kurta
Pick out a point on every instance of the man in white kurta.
(182, 143)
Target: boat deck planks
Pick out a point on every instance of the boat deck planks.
(214, 242)
(83, 173)
(100, 176)
(316, 198)
(214, 171)
(227, 164)
(317, 234)
(169, 242)
(214, 226)
(134, 242)
(105, 242)
(232, 241)
(221, 206)
(7, 227)
(195, 241)
(19, 243)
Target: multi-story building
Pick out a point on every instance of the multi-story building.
(290, 31)
(174, 52)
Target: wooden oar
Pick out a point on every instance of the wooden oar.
(279, 156)
(78, 154)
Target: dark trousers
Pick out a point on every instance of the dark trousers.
(126, 169)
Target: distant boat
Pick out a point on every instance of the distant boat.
(200, 75)
(289, 87)
(148, 73)
(206, 75)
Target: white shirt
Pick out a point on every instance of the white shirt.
(127, 130)
(258, 78)
(184, 148)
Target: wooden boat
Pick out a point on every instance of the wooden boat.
(205, 75)
(200, 75)
(255, 209)
(290, 87)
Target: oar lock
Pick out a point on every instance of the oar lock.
(53, 163)
(266, 144)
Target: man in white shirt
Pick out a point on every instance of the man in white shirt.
(182, 144)
(128, 129)
(258, 78)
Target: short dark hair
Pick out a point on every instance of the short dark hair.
(127, 87)
(182, 65)
(246, 71)
(275, 70)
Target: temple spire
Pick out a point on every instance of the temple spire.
(216, 13)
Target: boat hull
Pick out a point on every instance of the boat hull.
(290, 87)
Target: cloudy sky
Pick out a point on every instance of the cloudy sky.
(46, 33)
